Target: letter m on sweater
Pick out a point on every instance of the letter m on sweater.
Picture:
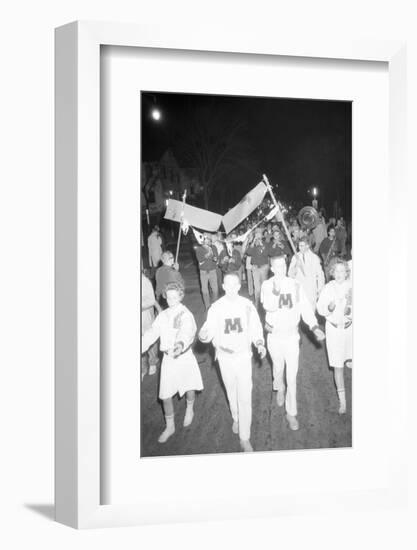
(285, 300)
(232, 325)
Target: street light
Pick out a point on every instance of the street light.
(314, 192)
(156, 114)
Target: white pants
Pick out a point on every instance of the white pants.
(236, 370)
(259, 274)
(285, 350)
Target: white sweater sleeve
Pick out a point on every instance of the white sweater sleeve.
(187, 331)
(255, 326)
(208, 329)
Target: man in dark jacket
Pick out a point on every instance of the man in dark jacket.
(230, 262)
(167, 273)
(207, 262)
(258, 250)
(329, 249)
(279, 246)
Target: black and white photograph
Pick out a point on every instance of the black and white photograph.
(246, 274)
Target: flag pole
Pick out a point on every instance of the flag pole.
(180, 229)
(274, 200)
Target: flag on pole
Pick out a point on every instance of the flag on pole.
(177, 211)
(245, 207)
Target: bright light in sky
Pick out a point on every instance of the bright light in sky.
(156, 114)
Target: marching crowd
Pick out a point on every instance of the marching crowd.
(307, 277)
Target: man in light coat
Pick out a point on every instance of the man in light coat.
(306, 268)
(154, 247)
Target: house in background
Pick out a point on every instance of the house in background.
(164, 179)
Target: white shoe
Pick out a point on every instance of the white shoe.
(293, 422)
(166, 434)
(235, 427)
(188, 418)
(152, 370)
(280, 398)
(169, 430)
(246, 446)
(342, 401)
(342, 408)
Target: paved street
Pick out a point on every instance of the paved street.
(211, 430)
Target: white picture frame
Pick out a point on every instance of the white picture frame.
(77, 242)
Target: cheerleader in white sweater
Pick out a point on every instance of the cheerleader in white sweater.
(335, 304)
(180, 373)
(285, 303)
(233, 325)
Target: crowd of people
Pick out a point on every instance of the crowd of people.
(305, 277)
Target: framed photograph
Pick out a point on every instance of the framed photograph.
(205, 173)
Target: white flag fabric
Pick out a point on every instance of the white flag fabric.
(245, 207)
(229, 247)
(204, 219)
(185, 226)
(199, 236)
(242, 238)
(272, 213)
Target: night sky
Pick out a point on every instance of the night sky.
(298, 144)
